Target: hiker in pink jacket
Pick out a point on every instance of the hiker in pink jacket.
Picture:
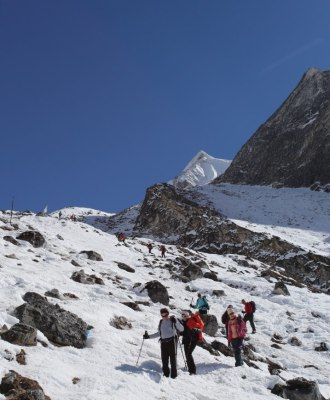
(236, 334)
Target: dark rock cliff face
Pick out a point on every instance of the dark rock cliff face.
(292, 147)
(169, 216)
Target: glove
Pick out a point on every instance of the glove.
(173, 319)
(243, 312)
(191, 305)
(146, 335)
(196, 331)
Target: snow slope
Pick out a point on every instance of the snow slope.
(107, 367)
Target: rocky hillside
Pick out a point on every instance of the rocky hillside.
(178, 217)
(74, 304)
(292, 148)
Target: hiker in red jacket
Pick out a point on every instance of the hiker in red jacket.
(163, 250)
(249, 309)
(192, 334)
(236, 334)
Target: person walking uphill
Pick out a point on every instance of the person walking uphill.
(249, 309)
(225, 319)
(236, 334)
(201, 304)
(192, 334)
(163, 250)
(150, 247)
(168, 341)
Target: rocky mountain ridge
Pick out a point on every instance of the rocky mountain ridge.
(292, 148)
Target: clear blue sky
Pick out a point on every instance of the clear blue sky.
(100, 99)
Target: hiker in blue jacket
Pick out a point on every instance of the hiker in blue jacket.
(201, 304)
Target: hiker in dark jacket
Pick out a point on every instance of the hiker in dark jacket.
(168, 341)
(248, 313)
(225, 319)
(163, 250)
(192, 334)
(150, 247)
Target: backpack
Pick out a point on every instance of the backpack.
(199, 324)
(206, 303)
(253, 305)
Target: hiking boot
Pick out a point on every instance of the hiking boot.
(254, 331)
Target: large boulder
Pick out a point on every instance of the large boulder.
(92, 255)
(157, 292)
(21, 334)
(33, 237)
(280, 288)
(58, 325)
(191, 273)
(82, 277)
(298, 389)
(210, 324)
(18, 387)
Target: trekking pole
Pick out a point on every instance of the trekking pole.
(185, 363)
(139, 353)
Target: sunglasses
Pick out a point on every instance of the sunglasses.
(164, 315)
(231, 313)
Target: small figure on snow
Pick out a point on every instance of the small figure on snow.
(249, 310)
(150, 247)
(163, 250)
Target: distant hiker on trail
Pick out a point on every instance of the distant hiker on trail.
(201, 304)
(167, 328)
(236, 334)
(163, 250)
(121, 237)
(249, 310)
(192, 334)
(150, 247)
(225, 319)
(60, 215)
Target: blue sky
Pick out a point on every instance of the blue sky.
(100, 99)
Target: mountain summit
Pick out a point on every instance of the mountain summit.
(292, 148)
(201, 170)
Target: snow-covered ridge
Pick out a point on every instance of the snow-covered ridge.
(201, 170)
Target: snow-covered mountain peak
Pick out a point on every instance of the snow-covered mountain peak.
(201, 170)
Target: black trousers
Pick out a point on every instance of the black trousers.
(188, 350)
(168, 353)
(249, 317)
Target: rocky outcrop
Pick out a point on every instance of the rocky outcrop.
(21, 334)
(298, 389)
(87, 279)
(92, 255)
(173, 218)
(33, 237)
(59, 326)
(292, 148)
(18, 387)
(157, 292)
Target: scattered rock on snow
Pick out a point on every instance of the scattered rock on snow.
(280, 288)
(33, 237)
(157, 292)
(92, 255)
(21, 334)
